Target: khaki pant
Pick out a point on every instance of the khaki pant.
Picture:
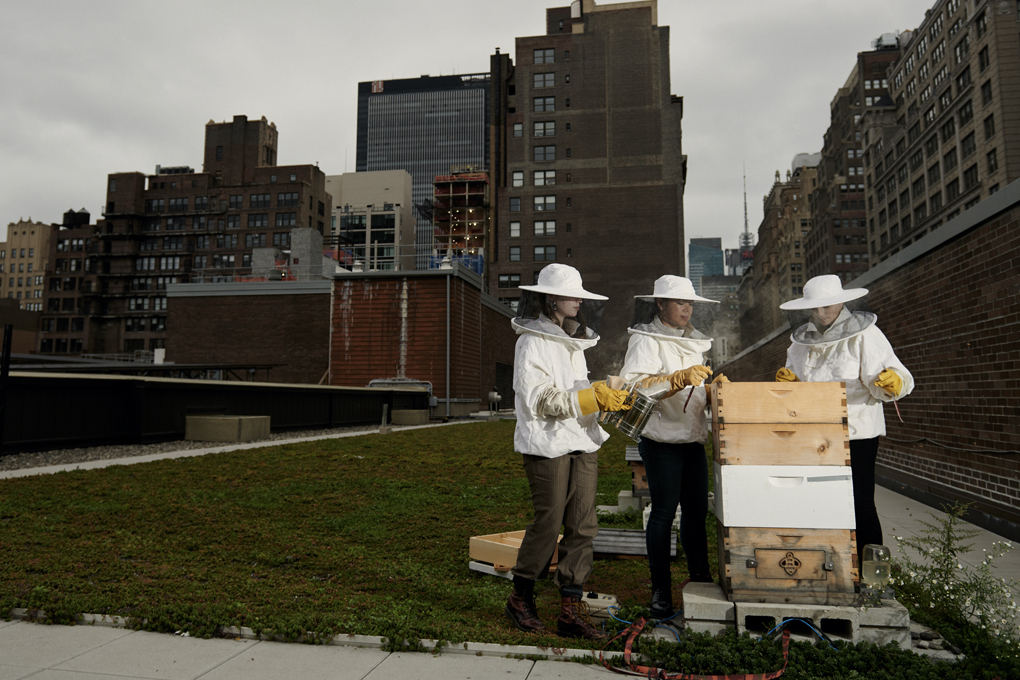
(562, 494)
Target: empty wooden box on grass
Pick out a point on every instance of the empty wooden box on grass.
(784, 492)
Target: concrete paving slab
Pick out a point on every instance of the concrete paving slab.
(552, 670)
(450, 667)
(16, 672)
(275, 660)
(158, 656)
(41, 646)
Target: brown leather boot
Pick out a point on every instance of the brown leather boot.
(574, 621)
(521, 607)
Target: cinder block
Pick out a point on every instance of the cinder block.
(883, 636)
(626, 500)
(889, 614)
(707, 602)
(410, 416)
(836, 622)
(226, 428)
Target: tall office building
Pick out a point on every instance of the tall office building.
(425, 126)
(704, 258)
(23, 262)
(949, 141)
(838, 239)
(586, 164)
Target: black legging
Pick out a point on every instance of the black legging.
(863, 453)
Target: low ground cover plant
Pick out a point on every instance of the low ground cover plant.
(364, 535)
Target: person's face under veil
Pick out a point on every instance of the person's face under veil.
(822, 317)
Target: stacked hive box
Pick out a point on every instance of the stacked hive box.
(784, 493)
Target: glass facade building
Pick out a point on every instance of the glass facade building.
(424, 126)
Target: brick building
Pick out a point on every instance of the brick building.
(949, 143)
(23, 262)
(431, 325)
(586, 162)
(178, 225)
(66, 318)
(838, 239)
(960, 435)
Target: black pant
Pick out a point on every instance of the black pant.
(677, 476)
(863, 453)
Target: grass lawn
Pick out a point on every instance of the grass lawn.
(364, 535)
(361, 535)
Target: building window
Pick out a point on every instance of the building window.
(518, 178)
(515, 204)
(518, 129)
(968, 145)
(236, 202)
(544, 104)
(989, 127)
(281, 239)
(509, 280)
(545, 153)
(545, 56)
(259, 201)
(936, 201)
(287, 199)
(993, 162)
(970, 177)
(952, 189)
(226, 241)
(287, 219)
(963, 80)
(986, 92)
(233, 221)
(257, 220)
(545, 128)
(543, 79)
(515, 253)
(545, 203)
(544, 177)
(254, 240)
(545, 253)
(983, 60)
(966, 113)
(949, 161)
(178, 205)
(545, 228)
(515, 229)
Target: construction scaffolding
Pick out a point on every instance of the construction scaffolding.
(460, 216)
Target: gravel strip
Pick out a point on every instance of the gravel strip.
(20, 461)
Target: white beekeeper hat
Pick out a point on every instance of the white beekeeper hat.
(674, 288)
(822, 291)
(562, 280)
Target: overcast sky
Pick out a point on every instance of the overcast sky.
(90, 87)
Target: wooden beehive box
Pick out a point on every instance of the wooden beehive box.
(800, 566)
(500, 550)
(780, 424)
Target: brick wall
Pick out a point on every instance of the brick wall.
(950, 306)
(367, 343)
(251, 324)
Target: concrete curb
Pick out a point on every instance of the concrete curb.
(351, 640)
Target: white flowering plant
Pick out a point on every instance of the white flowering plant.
(941, 588)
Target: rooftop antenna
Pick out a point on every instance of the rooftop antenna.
(745, 238)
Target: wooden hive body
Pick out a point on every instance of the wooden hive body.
(784, 493)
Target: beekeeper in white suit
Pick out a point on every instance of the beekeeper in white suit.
(559, 437)
(835, 339)
(665, 345)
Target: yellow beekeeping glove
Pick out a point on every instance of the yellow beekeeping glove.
(890, 381)
(717, 379)
(601, 397)
(695, 375)
(786, 375)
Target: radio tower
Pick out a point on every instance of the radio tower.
(746, 238)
